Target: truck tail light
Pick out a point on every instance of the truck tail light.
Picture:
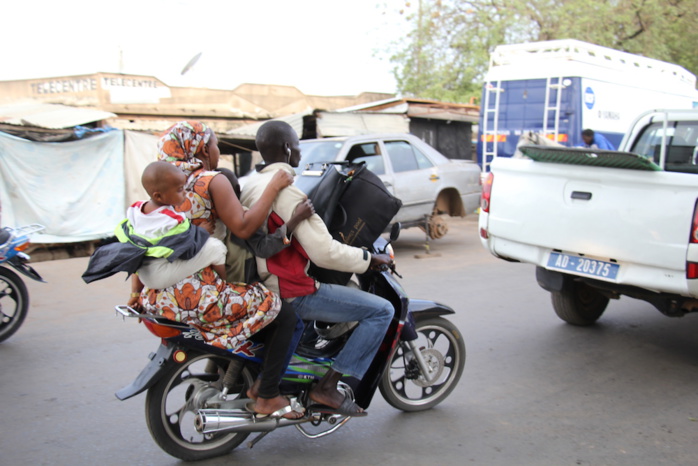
(694, 227)
(691, 270)
(692, 267)
(487, 193)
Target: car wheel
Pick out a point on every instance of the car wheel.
(436, 224)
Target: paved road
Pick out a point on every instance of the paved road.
(535, 390)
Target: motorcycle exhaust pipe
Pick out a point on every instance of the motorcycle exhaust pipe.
(209, 421)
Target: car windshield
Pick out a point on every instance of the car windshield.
(318, 151)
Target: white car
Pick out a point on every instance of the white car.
(427, 183)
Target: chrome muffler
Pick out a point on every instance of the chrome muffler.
(209, 421)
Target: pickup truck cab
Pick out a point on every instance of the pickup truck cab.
(600, 224)
(669, 138)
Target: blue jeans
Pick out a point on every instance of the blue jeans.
(336, 303)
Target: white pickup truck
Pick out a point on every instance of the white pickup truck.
(601, 224)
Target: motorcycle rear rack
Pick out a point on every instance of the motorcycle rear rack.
(15, 233)
(125, 311)
(28, 229)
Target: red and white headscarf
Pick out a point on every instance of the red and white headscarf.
(183, 143)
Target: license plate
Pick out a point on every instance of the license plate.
(583, 266)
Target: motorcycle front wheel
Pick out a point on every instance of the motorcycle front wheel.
(172, 403)
(14, 303)
(403, 384)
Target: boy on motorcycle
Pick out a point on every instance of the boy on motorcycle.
(153, 229)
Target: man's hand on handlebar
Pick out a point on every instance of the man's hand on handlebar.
(380, 261)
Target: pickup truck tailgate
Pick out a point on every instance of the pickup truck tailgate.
(640, 220)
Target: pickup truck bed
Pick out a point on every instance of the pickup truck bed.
(607, 214)
(594, 231)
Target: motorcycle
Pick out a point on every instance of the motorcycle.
(14, 298)
(196, 393)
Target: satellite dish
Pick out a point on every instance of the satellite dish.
(191, 63)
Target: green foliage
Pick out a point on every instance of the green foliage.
(447, 54)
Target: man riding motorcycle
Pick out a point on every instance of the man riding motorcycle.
(286, 272)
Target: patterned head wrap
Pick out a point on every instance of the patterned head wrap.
(183, 143)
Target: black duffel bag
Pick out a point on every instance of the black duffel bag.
(353, 203)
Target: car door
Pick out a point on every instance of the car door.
(371, 153)
(414, 180)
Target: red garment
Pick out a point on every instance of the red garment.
(290, 265)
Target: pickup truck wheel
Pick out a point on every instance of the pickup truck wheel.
(579, 304)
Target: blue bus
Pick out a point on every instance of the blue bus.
(551, 91)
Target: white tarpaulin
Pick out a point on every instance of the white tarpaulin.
(75, 189)
(140, 150)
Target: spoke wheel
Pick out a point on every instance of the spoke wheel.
(172, 405)
(14, 302)
(405, 387)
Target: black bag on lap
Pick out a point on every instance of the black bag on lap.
(353, 203)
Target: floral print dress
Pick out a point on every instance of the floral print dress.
(226, 314)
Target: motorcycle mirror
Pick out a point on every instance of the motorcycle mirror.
(395, 231)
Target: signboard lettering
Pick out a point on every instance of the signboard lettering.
(62, 86)
(111, 82)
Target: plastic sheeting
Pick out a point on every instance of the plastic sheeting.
(75, 189)
(140, 149)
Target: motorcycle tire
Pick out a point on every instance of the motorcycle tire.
(14, 303)
(171, 406)
(404, 387)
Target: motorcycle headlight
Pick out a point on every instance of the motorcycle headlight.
(389, 250)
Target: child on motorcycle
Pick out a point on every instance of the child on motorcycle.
(157, 218)
(154, 230)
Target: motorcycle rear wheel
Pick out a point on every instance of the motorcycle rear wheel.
(172, 403)
(14, 303)
(441, 343)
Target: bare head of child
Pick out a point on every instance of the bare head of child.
(164, 183)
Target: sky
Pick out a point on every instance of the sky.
(322, 47)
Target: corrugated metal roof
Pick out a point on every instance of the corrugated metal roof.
(372, 105)
(250, 131)
(350, 124)
(331, 124)
(421, 108)
(442, 113)
(50, 116)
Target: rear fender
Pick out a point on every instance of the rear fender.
(160, 361)
(19, 262)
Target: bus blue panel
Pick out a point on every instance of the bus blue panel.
(522, 109)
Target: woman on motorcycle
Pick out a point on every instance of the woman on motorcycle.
(212, 204)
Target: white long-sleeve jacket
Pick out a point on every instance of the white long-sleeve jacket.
(287, 272)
